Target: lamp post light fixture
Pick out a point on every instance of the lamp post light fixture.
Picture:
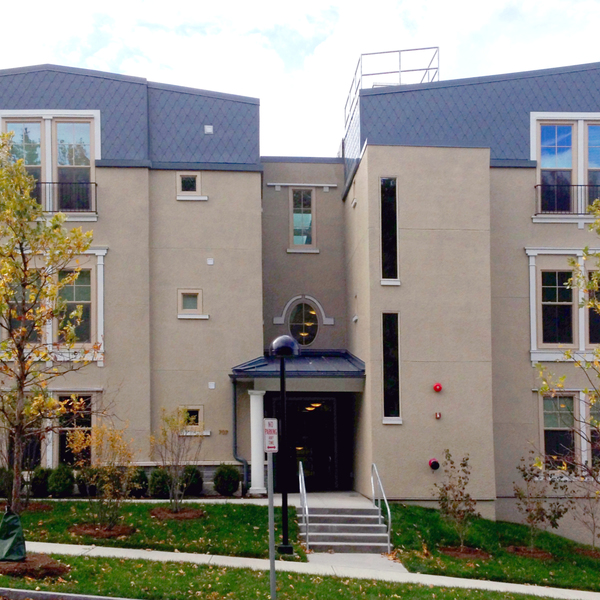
(283, 347)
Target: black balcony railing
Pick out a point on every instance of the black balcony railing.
(565, 199)
(66, 197)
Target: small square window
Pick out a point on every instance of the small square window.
(189, 304)
(189, 301)
(188, 183)
(194, 416)
(189, 187)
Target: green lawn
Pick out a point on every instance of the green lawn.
(227, 529)
(163, 581)
(417, 532)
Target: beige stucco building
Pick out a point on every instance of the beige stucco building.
(433, 250)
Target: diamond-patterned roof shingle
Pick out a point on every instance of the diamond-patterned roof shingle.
(142, 121)
(481, 112)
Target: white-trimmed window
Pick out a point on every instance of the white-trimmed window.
(557, 309)
(389, 231)
(189, 186)
(80, 293)
(194, 415)
(559, 430)
(566, 147)
(303, 234)
(78, 415)
(391, 367)
(59, 149)
(304, 323)
(189, 304)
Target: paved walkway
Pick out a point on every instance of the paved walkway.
(355, 566)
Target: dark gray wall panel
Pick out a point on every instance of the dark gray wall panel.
(122, 104)
(484, 112)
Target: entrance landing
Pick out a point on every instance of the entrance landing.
(315, 500)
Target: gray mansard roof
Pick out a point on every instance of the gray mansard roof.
(145, 123)
(491, 112)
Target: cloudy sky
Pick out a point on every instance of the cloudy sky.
(298, 58)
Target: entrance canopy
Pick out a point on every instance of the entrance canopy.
(323, 370)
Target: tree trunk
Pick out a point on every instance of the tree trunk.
(15, 502)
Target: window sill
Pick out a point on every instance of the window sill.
(393, 282)
(196, 317)
(82, 217)
(555, 355)
(392, 420)
(205, 433)
(579, 220)
(302, 251)
(192, 198)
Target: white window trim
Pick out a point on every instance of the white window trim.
(96, 356)
(295, 300)
(48, 115)
(195, 430)
(190, 196)
(580, 404)
(384, 419)
(579, 119)
(552, 355)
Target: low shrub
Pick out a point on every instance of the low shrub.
(158, 486)
(39, 482)
(139, 483)
(61, 482)
(226, 480)
(193, 480)
(86, 481)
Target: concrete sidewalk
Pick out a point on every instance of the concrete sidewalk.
(352, 566)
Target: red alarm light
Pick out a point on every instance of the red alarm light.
(434, 464)
(437, 387)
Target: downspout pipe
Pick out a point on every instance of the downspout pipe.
(235, 440)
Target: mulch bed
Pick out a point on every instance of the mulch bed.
(529, 553)
(185, 514)
(102, 533)
(588, 552)
(466, 552)
(33, 507)
(37, 566)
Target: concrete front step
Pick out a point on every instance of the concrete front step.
(343, 511)
(347, 519)
(344, 528)
(349, 548)
(347, 538)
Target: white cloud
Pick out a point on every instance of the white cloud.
(297, 58)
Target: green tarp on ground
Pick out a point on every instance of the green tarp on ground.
(12, 541)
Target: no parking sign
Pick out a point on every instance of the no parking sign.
(271, 436)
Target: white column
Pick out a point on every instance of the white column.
(257, 483)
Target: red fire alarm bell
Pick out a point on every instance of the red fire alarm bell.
(434, 464)
(437, 387)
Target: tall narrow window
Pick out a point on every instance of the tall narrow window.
(556, 167)
(73, 166)
(27, 143)
(302, 218)
(595, 433)
(593, 163)
(557, 308)
(77, 415)
(389, 229)
(559, 439)
(77, 293)
(391, 366)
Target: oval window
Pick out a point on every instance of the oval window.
(304, 324)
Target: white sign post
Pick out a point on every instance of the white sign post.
(271, 438)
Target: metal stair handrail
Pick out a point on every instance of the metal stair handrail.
(303, 503)
(377, 499)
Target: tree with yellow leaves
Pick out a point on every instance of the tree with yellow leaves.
(38, 260)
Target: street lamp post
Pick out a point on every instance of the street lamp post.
(284, 346)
